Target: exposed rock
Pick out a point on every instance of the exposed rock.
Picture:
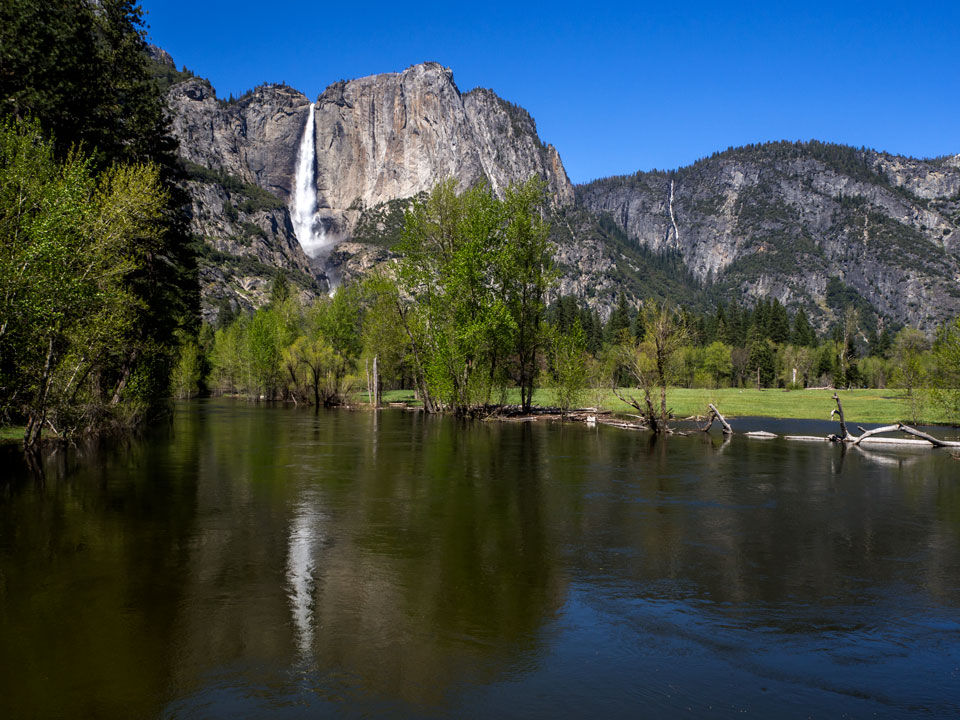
(350, 261)
(254, 138)
(783, 219)
(160, 55)
(793, 221)
(395, 135)
(244, 248)
(379, 139)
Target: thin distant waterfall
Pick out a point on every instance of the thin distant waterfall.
(305, 193)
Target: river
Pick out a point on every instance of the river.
(250, 561)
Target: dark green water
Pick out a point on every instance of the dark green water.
(268, 562)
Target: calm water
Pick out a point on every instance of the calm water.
(268, 562)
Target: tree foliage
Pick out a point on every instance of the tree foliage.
(75, 86)
(73, 246)
(476, 272)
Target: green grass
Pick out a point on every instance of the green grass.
(859, 406)
(11, 434)
(871, 406)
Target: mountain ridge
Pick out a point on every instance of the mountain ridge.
(791, 220)
(783, 219)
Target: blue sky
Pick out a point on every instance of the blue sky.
(617, 88)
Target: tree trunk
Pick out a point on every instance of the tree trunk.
(366, 369)
(715, 415)
(845, 434)
(376, 381)
(917, 433)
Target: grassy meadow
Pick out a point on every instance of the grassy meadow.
(859, 406)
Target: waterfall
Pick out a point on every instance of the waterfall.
(305, 193)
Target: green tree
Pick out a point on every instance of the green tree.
(909, 371)
(337, 321)
(618, 325)
(803, 334)
(568, 363)
(650, 362)
(524, 274)
(279, 289)
(946, 370)
(761, 365)
(80, 69)
(718, 362)
(383, 336)
(476, 271)
(264, 348)
(778, 324)
(188, 372)
(71, 250)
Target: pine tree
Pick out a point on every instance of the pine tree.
(619, 323)
(778, 325)
(803, 333)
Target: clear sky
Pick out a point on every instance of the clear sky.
(617, 87)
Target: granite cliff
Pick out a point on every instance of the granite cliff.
(802, 221)
(378, 140)
(813, 224)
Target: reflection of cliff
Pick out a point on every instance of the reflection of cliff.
(410, 560)
(399, 557)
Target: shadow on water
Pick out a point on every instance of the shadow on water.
(253, 560)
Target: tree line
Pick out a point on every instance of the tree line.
(469, 318)
(97, 274)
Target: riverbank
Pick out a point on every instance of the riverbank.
(861, 406)
(11, 434)
(885, 406)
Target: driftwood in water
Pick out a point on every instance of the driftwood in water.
(845, 435)
(715, 415)
(761, 435)
(876, 431)
(894, 442)
(868, 436)
(929, 438)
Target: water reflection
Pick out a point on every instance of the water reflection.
(258, 561)
(306, 538)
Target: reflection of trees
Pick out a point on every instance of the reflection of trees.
(763, 522)
(90, 578)
(421, 556)
(441, 567)
(410, 559)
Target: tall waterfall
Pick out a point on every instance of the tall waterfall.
(305, 193)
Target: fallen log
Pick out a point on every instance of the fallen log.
(761, 435)
(876, 431)
(895, 442)
(727, 430)
(937, 442)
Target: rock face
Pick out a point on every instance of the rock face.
(378, 139)
(802, 222)
(395, 135)
(254, 138)
(791, 220)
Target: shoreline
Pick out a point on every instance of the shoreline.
(870, 406)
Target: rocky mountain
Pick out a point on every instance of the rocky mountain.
(807, 223)
(378, 141)
(812, 224)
